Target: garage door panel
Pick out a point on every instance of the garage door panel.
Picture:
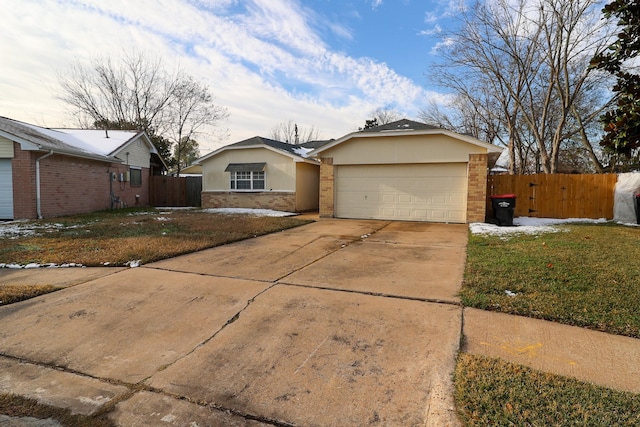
(434, 192)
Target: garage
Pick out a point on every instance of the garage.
(409, 192)
(406, 171)
(6, 189)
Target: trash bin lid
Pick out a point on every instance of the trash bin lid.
(503, 196)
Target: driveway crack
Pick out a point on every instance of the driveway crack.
(232, 319)
(348, 241)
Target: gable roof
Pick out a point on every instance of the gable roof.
(297, 152)
(406, 127)
(107, 142)
(102, 145)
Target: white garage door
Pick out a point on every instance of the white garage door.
(6, 189)
(410, 192)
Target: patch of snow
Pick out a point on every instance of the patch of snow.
(302, 152)
(35, 265)
(242, 211)
(98, 401)
(177, 208)
(15, 229)
(528, 225)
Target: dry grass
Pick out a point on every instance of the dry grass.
(15, 293)
(490, 392)
(18, 406)
(118, 237)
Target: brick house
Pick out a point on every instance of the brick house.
(405, 170)
(52, 172)
(261, 173)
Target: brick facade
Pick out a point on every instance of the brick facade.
(70, 185)
(327, 183)
(276, 200)
(477, 188)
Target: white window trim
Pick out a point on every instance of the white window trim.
(233, 178)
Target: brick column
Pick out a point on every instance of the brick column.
(327, 197)
(477, 188)
(23, 167)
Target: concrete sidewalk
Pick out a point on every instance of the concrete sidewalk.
(591, 356)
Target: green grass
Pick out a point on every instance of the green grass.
(491, 392)
(588, 276)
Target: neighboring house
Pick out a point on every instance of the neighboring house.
(405, 170)
(52, 172)
(191, 170)
(261, 173)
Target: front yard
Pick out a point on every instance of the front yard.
(585, 275)
(128, 237)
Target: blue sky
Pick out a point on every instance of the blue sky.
(321, 63)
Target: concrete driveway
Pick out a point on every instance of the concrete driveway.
(339, 322)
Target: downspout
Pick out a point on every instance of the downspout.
(38, 204)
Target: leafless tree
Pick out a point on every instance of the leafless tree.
(190, 108)
(385, 115)
(138, 92)
(291, 133)
(519, 73)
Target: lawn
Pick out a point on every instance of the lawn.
(491, 392)
(119, 237)
(587, 275)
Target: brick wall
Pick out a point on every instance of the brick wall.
(72, 185)
(477, 188)
(24, 183)
(69, 185)
(327, 198)
(126, 192)
(275, 200)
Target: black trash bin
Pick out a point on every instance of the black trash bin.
(503, 206)
(636, 199)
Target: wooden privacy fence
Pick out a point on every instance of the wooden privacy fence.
(176, 192)
(557, 195)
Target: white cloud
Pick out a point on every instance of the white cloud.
(430, 32)
(263, 59)
(446, 42)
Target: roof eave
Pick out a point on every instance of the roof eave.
(490, 147)
(295, 157)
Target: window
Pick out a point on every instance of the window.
(247, 180)
(135, 177)
(247, 176)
